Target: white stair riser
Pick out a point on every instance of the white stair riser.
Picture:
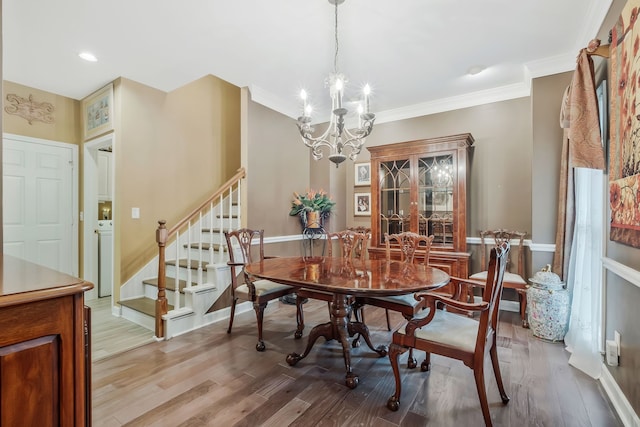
(151, 291)
(139, 318)
(194, 303)
(183, 272)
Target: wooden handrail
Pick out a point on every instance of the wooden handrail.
(162, 237)
(238, 176)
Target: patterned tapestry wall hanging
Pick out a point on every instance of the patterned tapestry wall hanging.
(624, 155)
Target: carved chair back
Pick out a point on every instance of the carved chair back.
(494, 238)
(352, 244)
(414, 248)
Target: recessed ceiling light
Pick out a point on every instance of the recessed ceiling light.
(88, 56)
(476, 69)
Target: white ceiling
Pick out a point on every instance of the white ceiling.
(414, 53)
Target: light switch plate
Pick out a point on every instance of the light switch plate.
(135, 213)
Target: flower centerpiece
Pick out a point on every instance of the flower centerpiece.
(312, 207)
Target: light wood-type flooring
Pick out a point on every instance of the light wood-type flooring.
(113, 335)
(210, 378)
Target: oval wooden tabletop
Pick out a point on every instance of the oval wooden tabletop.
(339, 275)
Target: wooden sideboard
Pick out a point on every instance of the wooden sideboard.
(44, 347)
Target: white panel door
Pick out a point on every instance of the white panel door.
(37, 203)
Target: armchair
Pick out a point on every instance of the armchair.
(457, 336)
(259, 292)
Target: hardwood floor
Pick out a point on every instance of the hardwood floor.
(208, 377)
(111, 335)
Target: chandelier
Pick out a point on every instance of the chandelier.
(337, 138)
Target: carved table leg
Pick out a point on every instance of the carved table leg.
(340, 328)
(340, 317)
(362, 330)
(324, 330)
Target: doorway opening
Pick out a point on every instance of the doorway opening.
(98, 208)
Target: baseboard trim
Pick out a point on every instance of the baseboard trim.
(620, 403)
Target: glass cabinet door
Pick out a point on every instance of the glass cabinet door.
(395, 197)
(436, 180)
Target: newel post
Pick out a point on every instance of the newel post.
(162, 235)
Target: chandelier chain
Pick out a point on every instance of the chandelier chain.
(341, 142)
(335, 56)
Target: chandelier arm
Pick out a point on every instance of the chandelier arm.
(337, 138)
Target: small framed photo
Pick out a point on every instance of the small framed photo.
(362, 204)
(97, 113)
(363, 173)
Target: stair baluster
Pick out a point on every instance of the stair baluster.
(200, 276)
(163, 235)
(176, 292)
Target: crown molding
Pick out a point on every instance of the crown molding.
(596, 15)
(502, 93)
(551, 65)
(269, 100)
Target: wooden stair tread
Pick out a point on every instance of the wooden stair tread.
(212, 230)
(143, 305)
(170, 283)
(205, 246)
(183, 263)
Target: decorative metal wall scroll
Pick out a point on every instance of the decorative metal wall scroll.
(30, 110)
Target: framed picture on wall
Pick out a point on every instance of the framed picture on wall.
(97, 113)
(362, 174)
(362, 204)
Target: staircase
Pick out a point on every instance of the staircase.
(194, 266)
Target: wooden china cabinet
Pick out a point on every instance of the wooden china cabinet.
(421, 186)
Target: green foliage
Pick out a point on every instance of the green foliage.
(312, 201)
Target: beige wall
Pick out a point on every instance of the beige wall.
(1, 130)
(170, 156)
(277, 164)
(67, 116)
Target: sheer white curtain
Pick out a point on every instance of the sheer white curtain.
(584, 278)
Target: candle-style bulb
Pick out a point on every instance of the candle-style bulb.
(303, 96)
(367, 91)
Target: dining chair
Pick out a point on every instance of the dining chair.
(352, 245)
(516, 281)
(457, 336)
(414, 249)
(259, 292)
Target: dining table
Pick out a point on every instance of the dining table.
(346, 279)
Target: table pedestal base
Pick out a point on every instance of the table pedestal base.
(339, 328)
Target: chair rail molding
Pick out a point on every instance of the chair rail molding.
(534, 247)
(629, 274)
